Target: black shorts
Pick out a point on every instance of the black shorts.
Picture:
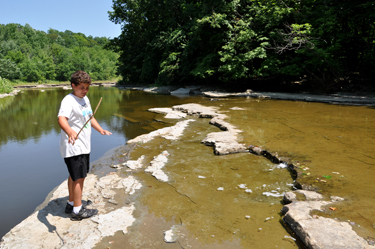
(78, 166)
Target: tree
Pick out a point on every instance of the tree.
(36, 56)
(245, 41)
(9, 69)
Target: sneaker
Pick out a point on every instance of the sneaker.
(69, 209)
(84, 213)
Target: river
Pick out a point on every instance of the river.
(333, 143)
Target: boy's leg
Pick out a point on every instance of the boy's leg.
(82, 212)
(70, 188)
(77, 188)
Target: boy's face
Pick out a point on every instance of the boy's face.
(81, 89)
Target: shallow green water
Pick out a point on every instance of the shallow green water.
(330, 140)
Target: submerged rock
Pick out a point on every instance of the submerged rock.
(169, 113)
(172, 133)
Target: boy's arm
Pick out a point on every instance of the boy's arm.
(96, 126)
(72, 135)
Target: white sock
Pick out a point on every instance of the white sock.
(71, 203)
(77, 209)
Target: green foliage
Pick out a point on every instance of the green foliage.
(9, 69)
(5, 86)
(35, 56)
(240, 40)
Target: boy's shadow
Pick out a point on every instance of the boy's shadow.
(55, 207)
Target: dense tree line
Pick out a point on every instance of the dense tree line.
(325, 43)
(36, 56)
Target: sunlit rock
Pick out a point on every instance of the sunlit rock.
(169, 113)
(223, 125)
(118, 220)
(224, 143)
(319, 232)
(197, 109)
(50, 227)
(156, 166)
(171, 235)
(135, 164)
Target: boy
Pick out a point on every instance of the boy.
(74, 111)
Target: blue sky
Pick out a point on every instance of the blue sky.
(89, 17)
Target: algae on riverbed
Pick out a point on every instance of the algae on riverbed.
(238, 216)
(321, 139)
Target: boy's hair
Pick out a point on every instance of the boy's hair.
(80, 77)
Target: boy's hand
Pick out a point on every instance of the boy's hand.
(105, 132)
(72, 137)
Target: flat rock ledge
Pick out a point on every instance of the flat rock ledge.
(315, 231)
(211, 92)
(339, 98)
(50, 227)
(225, 142)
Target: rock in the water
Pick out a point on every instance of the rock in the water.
(319, 232)
(156, 166)
(181, 91)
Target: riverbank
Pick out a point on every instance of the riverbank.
(341, 98)
(217, 148)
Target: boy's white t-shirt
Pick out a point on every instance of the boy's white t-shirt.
(78, 111)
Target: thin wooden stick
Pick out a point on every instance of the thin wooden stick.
(91, 116)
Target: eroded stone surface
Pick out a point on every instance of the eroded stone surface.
(50, 227)
(223, 125)
(156, 166)
(197, 109)
(224, 143)
(118, 220)
(319, 232)
(135, 164)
